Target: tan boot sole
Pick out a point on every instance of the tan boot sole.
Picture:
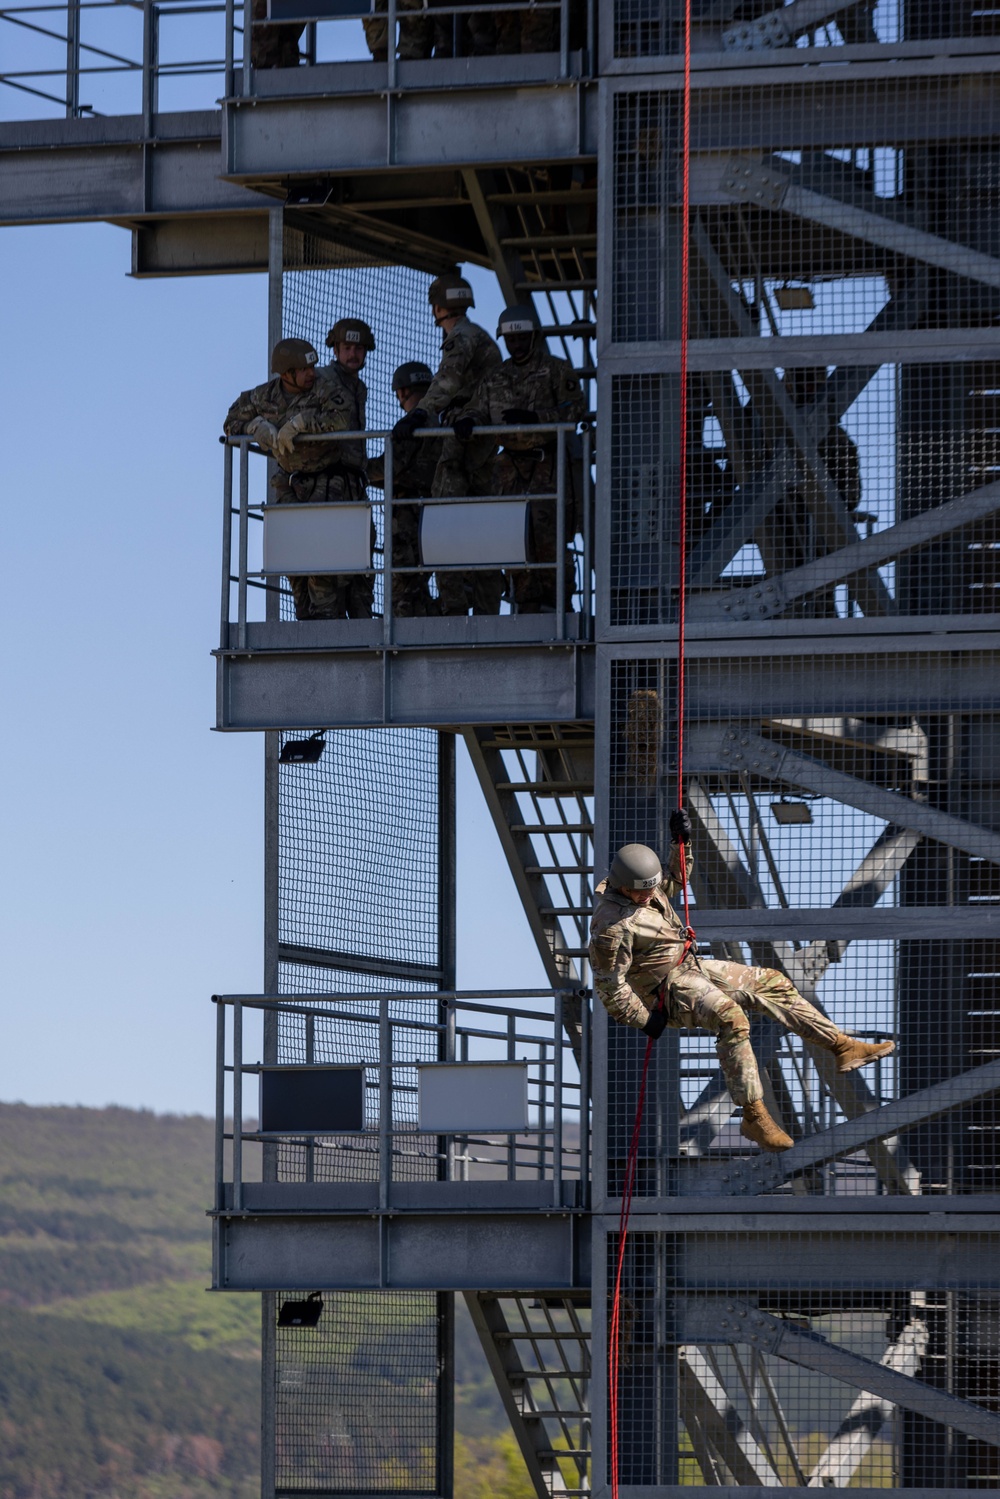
(772, 1149)
(882, 1049)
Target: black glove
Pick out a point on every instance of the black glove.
(463, 427)
(518, 417)
(409, 423)
(680, 826)
(656, 1024)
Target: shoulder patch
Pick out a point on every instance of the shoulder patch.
(572, 384)
(448, 344)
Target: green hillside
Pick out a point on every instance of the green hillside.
(121, 1377)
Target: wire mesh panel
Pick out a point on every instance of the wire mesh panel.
(857, 852)
(352, 1396)
(808, 1358)
(650, 28)
(841, 434)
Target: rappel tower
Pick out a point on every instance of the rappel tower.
(823, 1318)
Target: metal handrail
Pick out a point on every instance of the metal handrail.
(540, 1149)
(243, 511)
(238, 22)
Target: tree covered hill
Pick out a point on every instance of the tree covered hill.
(121, 1377)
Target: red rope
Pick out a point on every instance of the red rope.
(628, 1186)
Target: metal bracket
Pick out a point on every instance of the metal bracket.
(749, 181)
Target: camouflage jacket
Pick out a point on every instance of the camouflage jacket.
(415, 463)
(324, 413)
(350, 394)
(633, 948)
(543, 384)
(467, 354)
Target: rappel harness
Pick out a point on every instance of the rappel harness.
(690, 941)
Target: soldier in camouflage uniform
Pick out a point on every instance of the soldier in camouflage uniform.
(531, 386)
(417, 33)
(297, 402)
(465, 468)
(274, 46)
(414, 460)
(646, 979)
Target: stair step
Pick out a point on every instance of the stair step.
(543, 241)
(564, 910)
(551, 827)
(547, 195)
(557, 869)
(574, 285)
(550, 788)
(543, 1335)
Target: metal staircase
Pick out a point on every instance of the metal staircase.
(538, 780)
(539, 1352)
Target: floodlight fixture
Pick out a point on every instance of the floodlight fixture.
(301, 1313)
(303, 751)
(789, 813)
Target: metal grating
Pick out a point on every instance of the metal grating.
(352, 1396)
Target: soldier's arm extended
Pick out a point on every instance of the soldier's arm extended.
(673, 884)
(611, 959)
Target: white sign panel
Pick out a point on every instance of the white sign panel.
(317, 539)
(476, 1097)
(486, 531)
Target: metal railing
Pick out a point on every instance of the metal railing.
(389, 1036)
(240, 574)
(112, 57)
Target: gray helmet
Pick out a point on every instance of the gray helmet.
(412, 375)
(635, 867)
(451, 291)
(351, 330)
(292, 354)
(521, 318)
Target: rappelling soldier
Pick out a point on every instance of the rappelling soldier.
(414, 461)
(531, 386)
(295, 403)
(649, 976)
(464, 468)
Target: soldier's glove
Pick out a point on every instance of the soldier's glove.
(463, 427)
(656, 1024)
(680, 826)
(285, 442)
(263, 432)
(517, 416)
(409, 423)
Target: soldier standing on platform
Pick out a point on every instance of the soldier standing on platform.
(531, 386)
(414, 461)
(648, 976)
(296, 403)
(467, 354)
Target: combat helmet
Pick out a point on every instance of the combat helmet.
(292, 354)
(451, 291)
(520, 318)
(351, 330)
(635, 867)
(412, 375)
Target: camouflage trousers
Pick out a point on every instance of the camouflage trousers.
(467, 469)
(330, 596)
(524, 473)
(410, 591)
(506, 31)
(419, 34)
(720, 997)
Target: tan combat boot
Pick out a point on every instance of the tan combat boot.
(851, 1053)
(759, 1127)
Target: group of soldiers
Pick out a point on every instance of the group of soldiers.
(473, 386)
(479, 32)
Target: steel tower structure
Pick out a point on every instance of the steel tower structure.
(842, 746)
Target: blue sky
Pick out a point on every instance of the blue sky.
(132, 875)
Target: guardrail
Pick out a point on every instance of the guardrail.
(410, 1065)
(112, 57)
(340, 529)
